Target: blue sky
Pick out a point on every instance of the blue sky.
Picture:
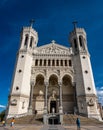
(53, 20)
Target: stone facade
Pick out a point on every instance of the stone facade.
(53, 79)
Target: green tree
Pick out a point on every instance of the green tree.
(2, 115)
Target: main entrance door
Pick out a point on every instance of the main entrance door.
(53, 106)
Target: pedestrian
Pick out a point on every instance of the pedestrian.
(12, 122)
(78, 123)
(3, 123)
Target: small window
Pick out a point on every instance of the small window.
(26, 40)
(53, 63)
(80, 41)
(86, 71)
(31, 41)
(75, 43)
(65, 62)
(48, 62)
(45, 62)
(17, 88)
(70, 63)
(88, 88)
(40, 62)
(83, 57)
(36, 62)
(57, 62)
(22, 56)
(20, 71)
(61, 62)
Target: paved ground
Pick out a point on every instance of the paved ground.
(41, 127)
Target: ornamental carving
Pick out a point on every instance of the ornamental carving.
(14, 102)
(91, 102)
(54, 49)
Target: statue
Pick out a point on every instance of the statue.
(53, 93)
(40, 92)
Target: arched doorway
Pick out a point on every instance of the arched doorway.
(68, 94)
(38, 95)
(53, 94)
(53, 106)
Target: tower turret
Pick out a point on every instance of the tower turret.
(20, 90)
(85, 87)
(29, 38)
(78, 40)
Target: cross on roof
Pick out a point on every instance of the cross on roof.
(53, 41)
(31, 22)
(75, 24)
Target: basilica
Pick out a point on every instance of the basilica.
(53, 80)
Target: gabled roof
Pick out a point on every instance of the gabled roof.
(53, 48)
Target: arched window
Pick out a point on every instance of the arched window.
(65, 62)
(57, 62)
(26, 40)
(40, 62)
(53, 63)
(45, 62)
(31, 42)
(81, 41)
(61, 62)
(70, 63)
(75, 44)
(48, 62)
(36, 62)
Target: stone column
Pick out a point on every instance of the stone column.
(59, 62)
(67, 62)
(50, 62)
(60, 103)
(30, 112)
(45, 120)
(28, 44)
(63, 62)
(60, 96)
(38, 62)
(43, 62)
(75, 99)
(46, 91)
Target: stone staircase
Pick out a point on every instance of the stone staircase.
(29, 119)
(68, 119)
(52, 127)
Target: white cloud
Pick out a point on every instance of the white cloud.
(101, 87)
(2, 106)
(100, 94)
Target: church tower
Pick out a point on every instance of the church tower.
(20, 90)
(84, 82)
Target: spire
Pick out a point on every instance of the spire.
(31, 22)
(75, 24)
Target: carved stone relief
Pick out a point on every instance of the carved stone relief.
(13, 102)
(90, 102)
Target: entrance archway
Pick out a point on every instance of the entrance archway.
(53, 120)
(53, 94)
(53, 107)
(38, 95)
(68, 94)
